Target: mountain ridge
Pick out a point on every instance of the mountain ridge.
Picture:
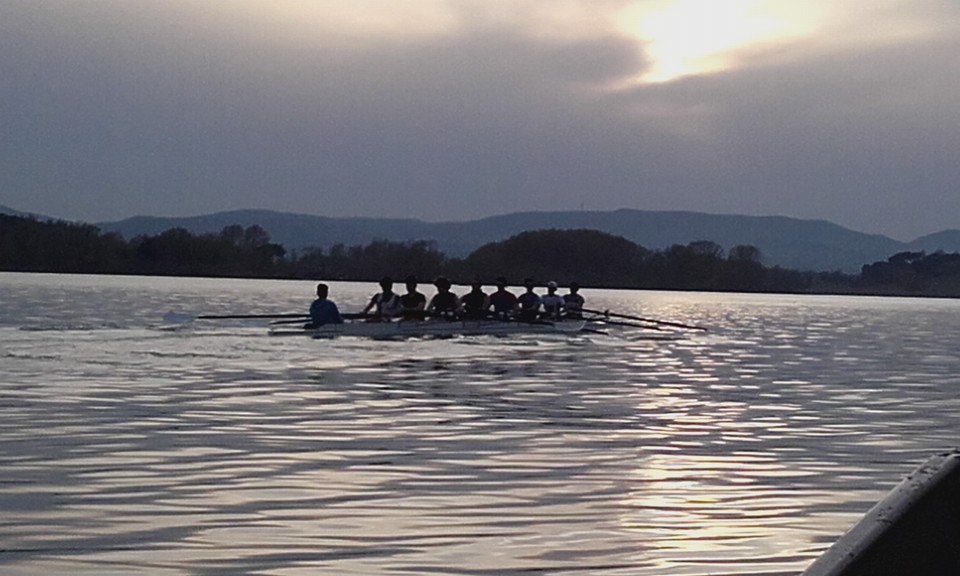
(788, 242)
(8, 211)
(784, 241)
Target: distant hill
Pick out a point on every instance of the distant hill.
(296, 231)
(948, 241)
(788, 242)
(11, 212)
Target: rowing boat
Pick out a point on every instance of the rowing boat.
(433, 328)
(913, 530)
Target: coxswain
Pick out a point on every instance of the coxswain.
(529, 301)
(573, 302)
(413, 303)
(386, 303)
(552, 302)
(322, 310)
(503, 301)
(475, 303)
(444, 303)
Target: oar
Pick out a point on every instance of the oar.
(249, 316)
(306, 318)
(627, 324)
(497, 317)
(180, 317)
(641, 319)
(543, 322)
(300, 320)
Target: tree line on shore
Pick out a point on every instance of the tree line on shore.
(589, 257)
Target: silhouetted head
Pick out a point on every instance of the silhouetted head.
(411, 282)
(322, 291)
(477, 283)
(441, 283)
(386, 283)
(574, 287)
(551, 286)
(501, 282)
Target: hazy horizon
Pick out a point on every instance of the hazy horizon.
(204, 214)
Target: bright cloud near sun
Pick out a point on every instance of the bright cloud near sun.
(678, 38)
(675, 38)
(688, 37)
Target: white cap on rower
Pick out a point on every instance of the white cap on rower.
(551, 284)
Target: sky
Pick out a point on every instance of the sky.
(459, 109)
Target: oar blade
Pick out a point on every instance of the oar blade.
(172, 317)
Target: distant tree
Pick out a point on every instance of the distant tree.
(338, 263)
(561, 255)
(744, 253)
(706, 249)
(914, 273)
(30, 245)
(255, 237)
(396, 259)
(372, 261)
(905, 258)
(695, 266)
(742, 271)
(232, 234)
(588, 256)
(310, 263)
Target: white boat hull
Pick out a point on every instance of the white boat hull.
(433, 328)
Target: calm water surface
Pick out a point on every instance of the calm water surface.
(129, 446)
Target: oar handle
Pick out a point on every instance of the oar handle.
(356, 315)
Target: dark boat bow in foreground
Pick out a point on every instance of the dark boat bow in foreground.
(913, 531)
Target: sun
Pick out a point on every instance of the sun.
(689, 37)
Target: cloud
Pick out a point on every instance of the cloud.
(860, 134)
(448, 110)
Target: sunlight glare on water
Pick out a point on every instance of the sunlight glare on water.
(132, 446)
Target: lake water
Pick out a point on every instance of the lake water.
(129, 447)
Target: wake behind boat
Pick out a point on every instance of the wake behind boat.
(433, 328)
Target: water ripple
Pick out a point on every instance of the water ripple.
(743, 450)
